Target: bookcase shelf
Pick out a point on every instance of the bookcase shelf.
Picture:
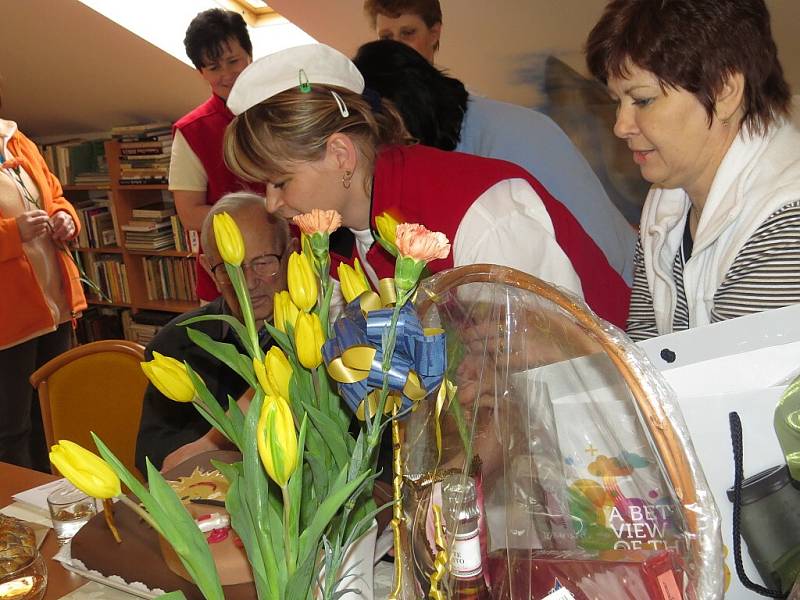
(86, 187)
(126, 267)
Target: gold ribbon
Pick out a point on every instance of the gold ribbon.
(442, 558)
(446, 393)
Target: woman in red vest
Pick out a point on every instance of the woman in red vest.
(304, 127)
(218, 44)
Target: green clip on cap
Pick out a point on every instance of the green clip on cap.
(305, 87)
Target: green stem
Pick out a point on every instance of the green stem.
(141, 512)
(236, 276)
(288, 546)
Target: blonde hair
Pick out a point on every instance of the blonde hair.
(293, 126)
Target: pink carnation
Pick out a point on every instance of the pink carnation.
(11, 163)
(417, 242)
(318, 221)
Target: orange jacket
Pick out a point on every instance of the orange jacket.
(24, 312)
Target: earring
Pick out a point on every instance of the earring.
(347, 178)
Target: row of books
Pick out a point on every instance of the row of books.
(108, 271)
(145, 152)
(78, 161)
(155, 227)
(97, 221)
(170, 278)
(144, 325)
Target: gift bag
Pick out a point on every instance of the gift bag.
(741, 365)
(589, 486)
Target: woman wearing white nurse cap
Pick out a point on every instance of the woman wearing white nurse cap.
(306, 127)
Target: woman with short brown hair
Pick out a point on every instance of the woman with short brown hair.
(703, 107)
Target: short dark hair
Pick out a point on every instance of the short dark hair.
(695, 45)
(428, 10)
(431, 103)
(209, 33)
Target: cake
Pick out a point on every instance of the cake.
(142, 557)
(139, 558)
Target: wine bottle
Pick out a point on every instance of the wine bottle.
(461, 513)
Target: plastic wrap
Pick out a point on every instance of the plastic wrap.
(577, 445)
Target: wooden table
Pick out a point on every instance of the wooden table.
(15, 479)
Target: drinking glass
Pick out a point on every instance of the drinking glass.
(70, 509)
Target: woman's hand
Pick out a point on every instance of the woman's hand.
(63, 226)
(32, 224)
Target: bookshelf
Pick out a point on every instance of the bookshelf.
(139, 280)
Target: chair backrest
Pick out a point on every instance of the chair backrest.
(95, 387)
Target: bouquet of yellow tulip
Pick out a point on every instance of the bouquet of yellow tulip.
(302, 492)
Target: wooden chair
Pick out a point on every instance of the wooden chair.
(95, 387)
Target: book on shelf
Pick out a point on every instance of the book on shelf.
(158, 210)
(169, 278)
(108, 271)
(193, 239)
(144, 325)
(144, 181)
(97, 220)
(143, 129)
(77, 161)
(146, 225)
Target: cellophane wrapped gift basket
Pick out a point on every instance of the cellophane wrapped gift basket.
(577, 496)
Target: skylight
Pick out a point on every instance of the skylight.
(163, 23)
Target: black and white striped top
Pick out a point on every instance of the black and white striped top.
(765, 275)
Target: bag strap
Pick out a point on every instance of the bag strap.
(738, 476)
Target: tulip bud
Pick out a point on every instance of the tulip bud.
(274, 373)
(284, 311)
(230, 243)
(302, 282)
(279, 372)
(308, 339)
(170, 377)
(85, 470)
(387, 225)
(277, 440)
(353, 281)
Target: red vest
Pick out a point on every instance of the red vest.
(418, 184)
(204, 130)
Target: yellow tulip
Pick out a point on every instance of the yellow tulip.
(170, 377)
(230, 243)
(274, 373)
(302, 282)
(308, 339)
(353, 281)
(284, 311)
(85, 470)
(277, 440)
(279, 372)
(387, 225)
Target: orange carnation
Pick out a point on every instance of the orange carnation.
(417, 242)
(318, 221)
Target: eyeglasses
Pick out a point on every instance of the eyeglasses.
(265, 266)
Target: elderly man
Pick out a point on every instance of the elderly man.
(171, 432)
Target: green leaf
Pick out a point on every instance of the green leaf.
(178, 595)
(280, 338)
(295, 487)
(256, 492)
(236, 325)
(329, 430)
(243, 526)
(211, 410)
(341, 491)
(226, 353)
(299, 584)
(185, 537)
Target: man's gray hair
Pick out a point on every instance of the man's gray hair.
(233, 204)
